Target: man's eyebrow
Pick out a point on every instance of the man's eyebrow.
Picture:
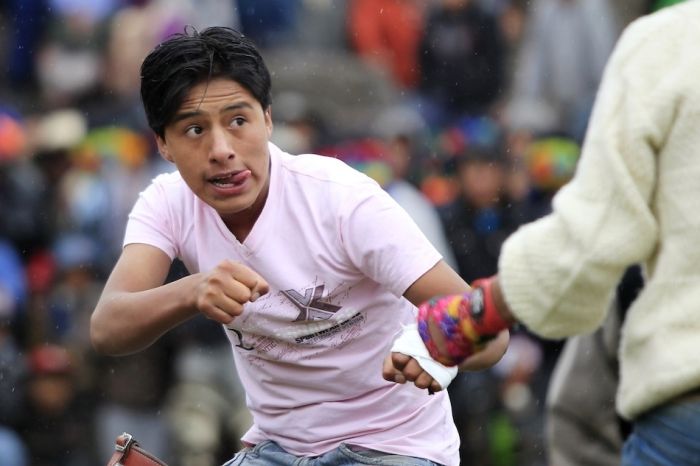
(228, 108)
(237, 106)
(185, 115)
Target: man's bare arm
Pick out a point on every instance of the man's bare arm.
(135, 307)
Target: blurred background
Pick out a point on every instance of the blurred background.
(470, 113)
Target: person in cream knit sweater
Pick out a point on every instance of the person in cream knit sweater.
(634, 199)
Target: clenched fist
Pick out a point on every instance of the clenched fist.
(224, 290)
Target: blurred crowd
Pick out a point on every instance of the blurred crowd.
(470, 113)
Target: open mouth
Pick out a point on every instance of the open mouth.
(231, 179)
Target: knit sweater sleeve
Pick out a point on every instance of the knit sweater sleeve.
(558, 273)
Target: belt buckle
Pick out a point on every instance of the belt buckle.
(129, 439)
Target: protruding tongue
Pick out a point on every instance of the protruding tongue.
(241, 176)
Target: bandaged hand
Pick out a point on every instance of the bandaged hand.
(455, 327)
(409, 361)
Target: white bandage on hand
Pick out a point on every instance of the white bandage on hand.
(411, 344)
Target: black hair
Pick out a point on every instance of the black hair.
(189, 58)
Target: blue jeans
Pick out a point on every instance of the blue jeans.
(667, 436)
(268, 453)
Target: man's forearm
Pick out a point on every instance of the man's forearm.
(127, 322)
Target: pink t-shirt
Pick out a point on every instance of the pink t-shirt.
(338, 253)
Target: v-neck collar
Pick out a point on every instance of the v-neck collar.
(262, 225)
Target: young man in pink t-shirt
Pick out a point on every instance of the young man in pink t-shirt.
(311, 268)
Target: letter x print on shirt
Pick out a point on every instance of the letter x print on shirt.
(312, 305)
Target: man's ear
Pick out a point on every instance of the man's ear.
(163, 149)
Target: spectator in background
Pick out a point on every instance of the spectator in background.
(494, 429)
(30, 18)
(322, 24)
(110, 166)
(479, 219)
(461, 60)
(56, 427)
(128, 35)
(74, 293)
(550, 163)
(271, 23)
(387, 34)
(68, 59)
(297, 125)
(54, 137)
(403, 133)
(24, 224)
(566, 46)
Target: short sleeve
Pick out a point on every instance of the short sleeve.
(383, 241)
(150, 221)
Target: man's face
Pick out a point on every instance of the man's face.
(218, 141)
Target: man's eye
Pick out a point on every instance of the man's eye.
(193, 131)
(238, 121)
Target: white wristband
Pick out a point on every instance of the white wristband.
(411, 344)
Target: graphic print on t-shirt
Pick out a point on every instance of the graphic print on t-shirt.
(312, 305)
(273, 330)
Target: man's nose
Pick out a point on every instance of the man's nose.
(221, 148)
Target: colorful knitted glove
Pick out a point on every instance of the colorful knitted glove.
(466, 322)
